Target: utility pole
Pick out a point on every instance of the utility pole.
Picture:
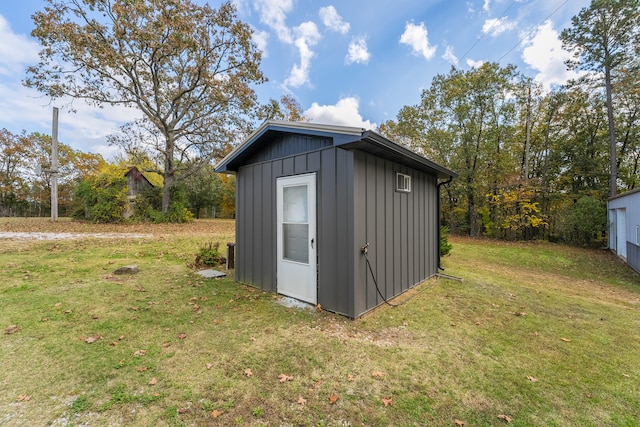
(54, 167)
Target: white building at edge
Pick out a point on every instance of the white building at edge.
(624, 226)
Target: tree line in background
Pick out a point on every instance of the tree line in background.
(93, 189)
(535, 164)
(532, 164)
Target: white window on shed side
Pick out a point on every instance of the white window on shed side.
(403, 182)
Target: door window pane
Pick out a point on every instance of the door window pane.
(295, 239)
(295, 204)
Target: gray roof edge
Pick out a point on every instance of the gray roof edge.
(286, 125)
(381, 140)
(626, 193)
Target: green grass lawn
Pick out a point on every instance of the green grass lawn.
(536, 335)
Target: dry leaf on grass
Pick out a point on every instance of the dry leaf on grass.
(459, 422)
(182, 410)
(377, 374)
(349, 377)
(58, 304)
(248, 373)
(11, 329)
(209, 365)
(91, 339)
(182, 336)
(301, 400)
(284, 378)
(24, 398)
(153, 381)
(532, 379)
(505, 418)
(142, 369)
(387, 401)
(139, 353)
(333, 398)
(565, 339)
(215, 413)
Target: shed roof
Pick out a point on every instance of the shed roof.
(350, 138)
(625, 194)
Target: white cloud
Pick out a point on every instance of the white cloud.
(343, 113)
(486, 5)
(416, 37)
(332, 20)
(495, 27)
(449, 56)
(544, 53)
(475, 64)
(260, 38)
(307, 35)
(16, 50)
(274, 13)
(358, 51)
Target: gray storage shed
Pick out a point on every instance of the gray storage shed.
(310, 196)
(624, 226)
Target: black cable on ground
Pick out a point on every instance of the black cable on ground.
(364, 252)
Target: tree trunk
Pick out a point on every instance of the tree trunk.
(612, 133)
(169, 173)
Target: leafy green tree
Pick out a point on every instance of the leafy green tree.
(466, 121)
(188, 68)
(288, 109)
(102, 198)
(604, 37)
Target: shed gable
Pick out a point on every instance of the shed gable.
(280, 145)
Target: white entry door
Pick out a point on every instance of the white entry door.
(296, 264)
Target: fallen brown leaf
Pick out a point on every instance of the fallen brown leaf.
(377, 374)
(333, 398)
(166, 344)
(387, 401)
(248, 373)
(349, 377)
(139, 353)
(24, 398)
(209, 365)
(92, 339)
(565, 339)
(153, 381)
(284, 378)
(215, 413)
(11, 329)
(142, 369)
(459, 422)
(301, 400)
(58, 304)
(182, 410)
(505, 418)
(182, 336)
(532, 379)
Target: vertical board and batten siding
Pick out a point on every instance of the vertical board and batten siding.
(256, 243)
(399, 228)
(631, 203)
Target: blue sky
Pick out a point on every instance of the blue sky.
(352, 63)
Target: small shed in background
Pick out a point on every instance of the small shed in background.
(310, 196)
(624, 226)
(137, 183)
